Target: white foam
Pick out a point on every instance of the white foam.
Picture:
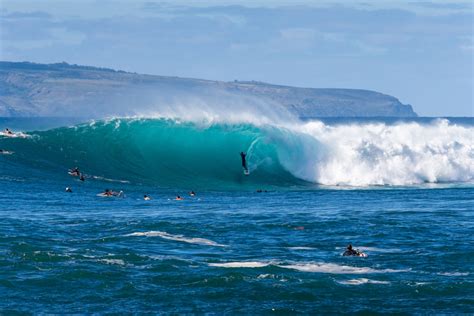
(362, 281)
(375, 249)
(454, 273)
(333, 268)
(377, 153)
(266, 276)
(181, 238)
(301, 248)
(240, 264)
(113, 261)
(329, 268)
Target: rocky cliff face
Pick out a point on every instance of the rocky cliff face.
(28, 89)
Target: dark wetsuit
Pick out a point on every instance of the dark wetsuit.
(351, 252)
(244, 161)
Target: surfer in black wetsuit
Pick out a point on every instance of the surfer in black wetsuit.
(350, 251)
(244, 160)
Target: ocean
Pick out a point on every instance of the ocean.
(400, 191)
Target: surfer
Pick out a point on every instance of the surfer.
(75, 172)
(352, 252)
(8, 131)
(69, 190)
(244, 160)
(109, 193)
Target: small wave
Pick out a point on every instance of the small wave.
(333, 268)
(107, 179)
(362, 281)
(383, 250)
(113, 261)
(240, 264)
(330, 268)
(301, 248)
(454, 273)
(165, 235)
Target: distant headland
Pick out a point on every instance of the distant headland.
(61, 89)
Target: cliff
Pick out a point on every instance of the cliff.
(29, 89)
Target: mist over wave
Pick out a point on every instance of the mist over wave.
(205, 152)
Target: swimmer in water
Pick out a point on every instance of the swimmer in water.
(192, 193)
(178, 198)
(146, 197)
(69, 190)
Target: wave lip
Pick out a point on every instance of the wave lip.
(181, 238)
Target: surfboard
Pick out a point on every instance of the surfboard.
(105, 195)
(358, 254)
(119, 194)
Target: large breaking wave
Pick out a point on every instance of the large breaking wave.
(169, 152)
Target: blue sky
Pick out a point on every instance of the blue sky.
(420, 52)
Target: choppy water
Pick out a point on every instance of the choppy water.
(231, 249)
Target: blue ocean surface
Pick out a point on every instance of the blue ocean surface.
(271, 242)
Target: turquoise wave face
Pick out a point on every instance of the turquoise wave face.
(160, 152)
